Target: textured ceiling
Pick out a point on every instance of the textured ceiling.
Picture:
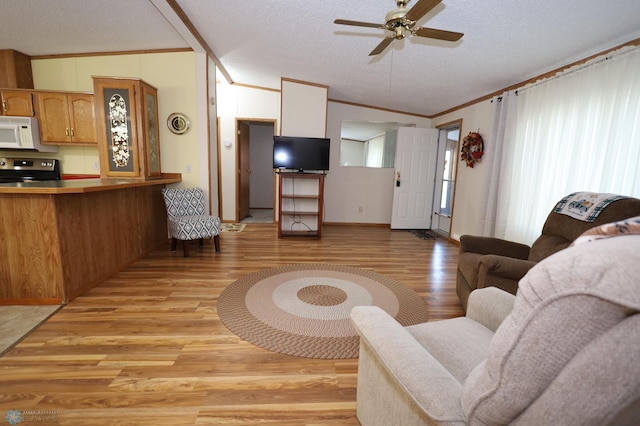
(51, 27)
(260, 41)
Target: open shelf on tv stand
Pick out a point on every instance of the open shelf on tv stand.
(300, 204)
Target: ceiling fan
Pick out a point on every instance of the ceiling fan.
(401, 21)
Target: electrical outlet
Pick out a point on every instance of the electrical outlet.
(96, 165)
(188, 168)
(360, 209)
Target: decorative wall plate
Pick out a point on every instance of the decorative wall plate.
(178, 123)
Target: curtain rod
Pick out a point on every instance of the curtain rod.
(625, 50)
(595, 61)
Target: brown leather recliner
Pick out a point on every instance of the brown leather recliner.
(485, 261)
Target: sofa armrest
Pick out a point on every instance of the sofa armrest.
(488, 245)
(413, 369)
(490, 306)
(502, 272)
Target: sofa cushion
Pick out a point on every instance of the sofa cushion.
(602, 372)
(563, 303)
(459, 344)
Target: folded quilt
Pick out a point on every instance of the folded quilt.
(585, 206)
(629, 226)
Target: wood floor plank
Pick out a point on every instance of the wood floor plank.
(147, 347)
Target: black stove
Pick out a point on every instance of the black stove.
(28, 169)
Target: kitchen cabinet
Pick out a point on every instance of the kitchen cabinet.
(128, 127)
(15, 70)
(67, 118)
(300, 204)
(16, 103)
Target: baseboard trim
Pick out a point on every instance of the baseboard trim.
(356, 224)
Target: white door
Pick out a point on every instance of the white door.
(416, 159)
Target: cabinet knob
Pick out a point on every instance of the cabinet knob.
(66, 131)
(72, 132)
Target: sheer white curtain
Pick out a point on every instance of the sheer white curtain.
(577, 131)
(504, 114)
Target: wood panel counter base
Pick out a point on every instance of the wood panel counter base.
(58, 245)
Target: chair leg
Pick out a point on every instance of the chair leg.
(216, 242)
(185, 248)
(174, 243)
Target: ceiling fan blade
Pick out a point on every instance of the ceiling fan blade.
(420, 9)
(357, 23)
(383, 45)
(437, 34)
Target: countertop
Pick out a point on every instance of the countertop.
(81, 186)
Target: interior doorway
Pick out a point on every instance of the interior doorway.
(448, 143)
(255, 194)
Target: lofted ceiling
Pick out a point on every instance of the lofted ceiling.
(259, 41)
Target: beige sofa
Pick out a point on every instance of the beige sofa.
(564, 351)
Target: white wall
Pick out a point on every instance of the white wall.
(176, 74)
(239, 102)
(303, 109)
(349, 188)
(470, 181)
(346, 188)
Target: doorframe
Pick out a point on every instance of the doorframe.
(219, 156)
(447, 127)
(249, 122)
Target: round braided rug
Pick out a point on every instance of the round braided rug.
(303, 309)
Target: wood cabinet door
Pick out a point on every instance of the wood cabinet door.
(17, 103)
(54, 118)
(151, 131)
(82, 118)
(117, 125)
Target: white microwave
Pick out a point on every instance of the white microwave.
(22, 133)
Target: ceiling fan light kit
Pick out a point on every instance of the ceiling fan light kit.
(399, 21)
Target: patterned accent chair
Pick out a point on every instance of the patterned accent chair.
(187, 221)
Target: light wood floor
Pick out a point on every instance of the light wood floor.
(146, 347)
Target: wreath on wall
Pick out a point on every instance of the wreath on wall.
(472, 149)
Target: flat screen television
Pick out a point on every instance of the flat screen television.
(301, 153)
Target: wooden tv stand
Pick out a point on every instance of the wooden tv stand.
(300, 204)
